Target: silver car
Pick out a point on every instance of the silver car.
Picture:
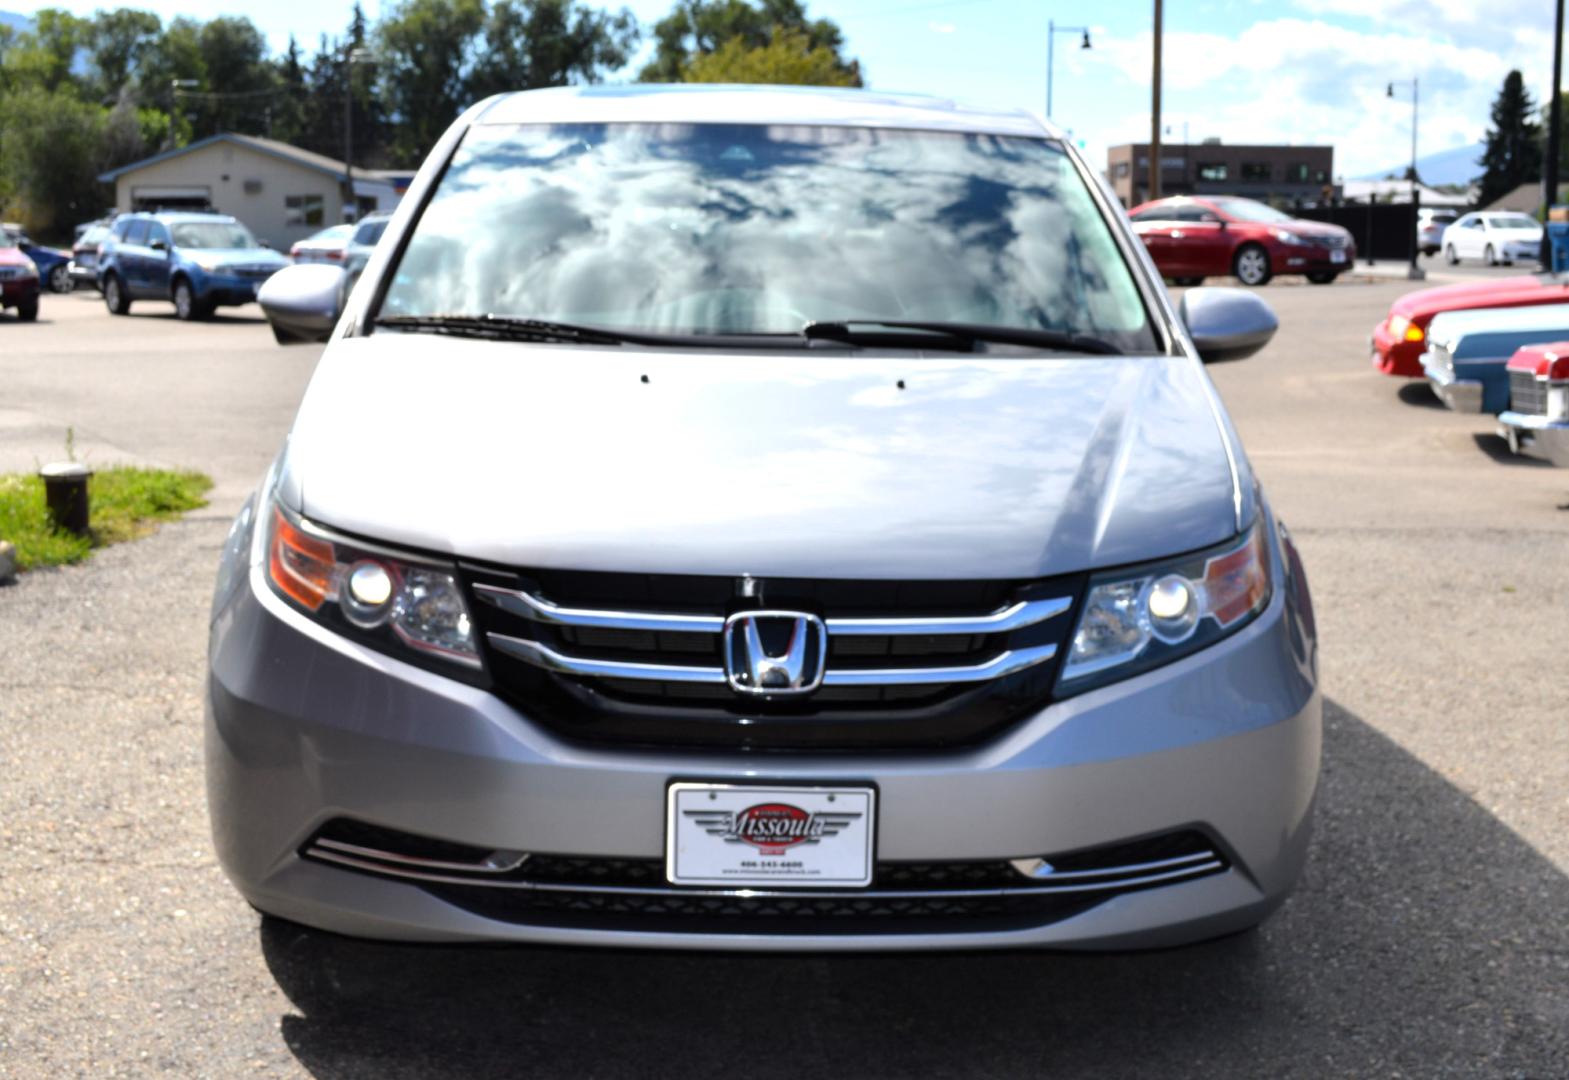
(745, 518)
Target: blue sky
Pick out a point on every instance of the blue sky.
(1297, 71)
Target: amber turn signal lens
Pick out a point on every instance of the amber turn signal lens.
(1413, 333)
(301, 565)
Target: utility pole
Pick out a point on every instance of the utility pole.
(1550, 166)
(1155, 114)
(351, 204)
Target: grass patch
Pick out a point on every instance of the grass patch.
(126, 503)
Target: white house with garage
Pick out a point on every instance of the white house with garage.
(281, 192)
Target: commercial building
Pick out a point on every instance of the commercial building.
(1291, 174)
(281, 192)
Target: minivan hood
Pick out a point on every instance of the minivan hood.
(777, 464)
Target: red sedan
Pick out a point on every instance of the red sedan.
(1192, 238)
(18, 280)
(1398, 341)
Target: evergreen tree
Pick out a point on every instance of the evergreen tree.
(1513, 154)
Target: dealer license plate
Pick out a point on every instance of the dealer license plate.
(746, 836)
(1337, 256)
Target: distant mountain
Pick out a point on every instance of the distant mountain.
(1454, 166)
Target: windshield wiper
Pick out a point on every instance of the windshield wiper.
(957, 336)
(510, 328)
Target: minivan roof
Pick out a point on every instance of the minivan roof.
(691, 103)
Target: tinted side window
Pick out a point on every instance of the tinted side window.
(370, 232)
(136, 232)
(156, 233)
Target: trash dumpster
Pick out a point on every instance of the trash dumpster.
(1558, 240)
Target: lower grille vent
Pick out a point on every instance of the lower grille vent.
(632, 894)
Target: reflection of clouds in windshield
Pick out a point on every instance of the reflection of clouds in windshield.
(736, 229)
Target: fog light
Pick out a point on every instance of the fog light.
(367, 599)
(1173, 607)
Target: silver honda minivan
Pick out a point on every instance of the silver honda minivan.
(759, 518)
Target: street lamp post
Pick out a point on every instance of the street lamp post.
(1413, 272)
(1052, 30)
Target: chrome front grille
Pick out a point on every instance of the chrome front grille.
(630, 893)
(1024, 613)
(644, 659)
(1335, 243)
(1527, 393)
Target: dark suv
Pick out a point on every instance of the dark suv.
(198, 261)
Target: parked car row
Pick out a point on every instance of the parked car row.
(198, 260)
(1193, 238)
(1499, 347)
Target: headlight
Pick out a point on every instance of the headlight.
(207, 262)
(1287, 237)
(29, 269)
(1404, 329)
(1138, 619)
(394, 603)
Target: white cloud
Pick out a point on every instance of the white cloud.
(1312, 81)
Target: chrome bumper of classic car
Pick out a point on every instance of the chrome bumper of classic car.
(1534, 435)
(1461, 395)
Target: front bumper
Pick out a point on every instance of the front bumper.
(1394, 355)
(16, 292)
(1536, 436)
(1460, 394)
(1315, 260)
(1226, 741)
(228, 290)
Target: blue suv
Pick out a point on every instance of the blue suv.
(196, 260)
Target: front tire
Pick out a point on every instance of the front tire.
(186, 307)
(115, 298)
(1489, 257)
(27, 310)
(1251, 265)
(1186, 282)
(1322, 277)
(60, 279)
(1449, 255)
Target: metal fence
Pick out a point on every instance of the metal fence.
(1381, 230)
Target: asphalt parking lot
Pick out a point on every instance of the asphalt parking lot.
(1429, 936)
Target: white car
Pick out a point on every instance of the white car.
(326, 246)
(1493, 238)
(1430, 227)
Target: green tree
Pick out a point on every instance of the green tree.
(116, 43)
(239, 86)
(1513, 152)
(699, 27)
(42, 57)
(536, 43)
(788, 59)
(424, 48)
(53, 146)
(291, 107)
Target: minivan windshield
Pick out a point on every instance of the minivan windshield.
(212, 234)
(755, 229)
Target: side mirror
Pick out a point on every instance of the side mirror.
(1227, 324)
(303, 302)
(160, 246)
